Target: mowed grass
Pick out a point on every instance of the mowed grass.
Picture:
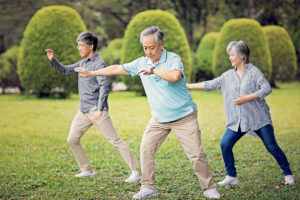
(36, 162)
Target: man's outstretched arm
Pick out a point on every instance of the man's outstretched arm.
(107, 71)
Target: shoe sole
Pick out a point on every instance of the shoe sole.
(132, 181)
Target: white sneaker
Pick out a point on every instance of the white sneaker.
(134, 176)
(289, 180)
(229, 180)
(145, 193)
(212, 193)
(86, 174)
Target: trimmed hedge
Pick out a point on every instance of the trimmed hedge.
(204, 57)
(175, 41)
(283, 53)
(53, 27)
(8, 68)
(112, 55)
(249, 31)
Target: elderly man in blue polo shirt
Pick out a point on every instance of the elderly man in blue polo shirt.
(172, 108)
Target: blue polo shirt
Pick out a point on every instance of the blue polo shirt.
(169, 101)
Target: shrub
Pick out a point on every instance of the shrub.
(112, 55)
(8, 68)
(54, 27)
(204, 57)
(283, 53)
(249, 31)
(175, 41)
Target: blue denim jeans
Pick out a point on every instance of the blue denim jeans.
(266, 134)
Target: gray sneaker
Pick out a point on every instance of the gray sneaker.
(289, 179)
(146, 193)
(212, 193)
(229, 180)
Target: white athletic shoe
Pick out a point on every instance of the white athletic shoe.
(145, 193)
(229, 180)
(212, 193)
(289, 180)
(134, 176)
(86, 174)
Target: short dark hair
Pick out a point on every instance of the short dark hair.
(88, 38)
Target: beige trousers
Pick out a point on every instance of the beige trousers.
(81, 123)
(187, 131)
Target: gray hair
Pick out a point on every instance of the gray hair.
(88, 38)
(241, 49)
(153, 30)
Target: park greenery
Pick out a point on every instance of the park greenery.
(252, 33)
(284, 60)
(36, 162)
(111, 20)
(53, 27)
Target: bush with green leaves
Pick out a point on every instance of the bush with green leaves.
(283, 53)
(175, 41)
(112, 55)
(53, 27)
(251, 32)
(8, 68)
(202, 67)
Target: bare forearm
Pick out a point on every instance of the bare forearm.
(110, 71)
(195, 86)
(168, 75)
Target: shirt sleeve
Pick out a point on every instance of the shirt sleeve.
(103, 88)
(214, 84)
(133, 67)
(177, 64)
(263, 85)
(64, 69)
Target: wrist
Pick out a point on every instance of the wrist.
(152, 70)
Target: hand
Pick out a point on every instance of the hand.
(85, 73)
(241, 100)
(50, 53)
(146, 71)
(96, 116)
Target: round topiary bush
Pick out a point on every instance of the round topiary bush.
(175, 41)
(53, 27)
(204, 57)
(283, 53)
(249, 31)
(8, 68)
(112, 55)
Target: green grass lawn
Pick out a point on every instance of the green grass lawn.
(36, 162)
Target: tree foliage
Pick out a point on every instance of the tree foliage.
(283, 53)
(249, 31)
(8, 68)
(175, 40)
(112, 55)
(204, 57)
(54, 27)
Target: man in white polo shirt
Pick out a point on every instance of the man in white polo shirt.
(172, 108)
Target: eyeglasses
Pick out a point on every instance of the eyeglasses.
(81, 46)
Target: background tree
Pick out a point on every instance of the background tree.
(175, 41)
(8, 69)
(249, 31)
(54, 27)
(202, 67)
(112, 55)
(283, 54)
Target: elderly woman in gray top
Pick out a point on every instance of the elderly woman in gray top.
(243, 89)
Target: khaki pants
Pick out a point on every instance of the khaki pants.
(81, 123)
(187, 131)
